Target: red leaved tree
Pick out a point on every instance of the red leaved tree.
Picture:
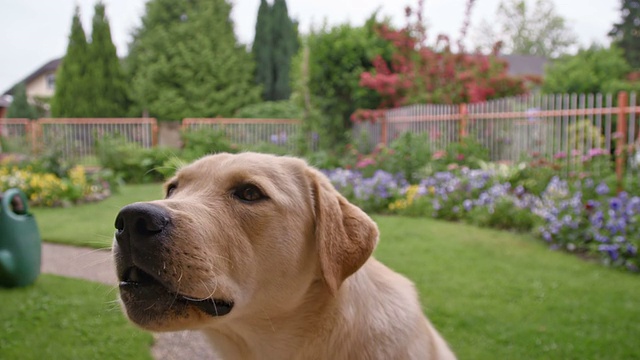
(421, 74)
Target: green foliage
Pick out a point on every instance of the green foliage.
(47, 184)
(109, 96)
(584, 135)
(90, 81)
(73, 85)
(407, 155)
(201, 142)
(275, 43)
(66, 318)
(284, 46)
(52, 160)
(505, 215)
(284, 109)
(131, 162)
(466, 153)
(91, 224)
(328, 78)
(590, 71)
(262, 49)
(625, 33)
(534, 177)
(185, 61)
(20, 107)
(410, 153)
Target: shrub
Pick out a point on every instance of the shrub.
(466, 153)
(204, 141)
(578, 215)
(407, 156)
(47, 189)
(131, 162)
(285, 109)
(584, 135)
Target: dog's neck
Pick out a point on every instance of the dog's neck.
(279, 336)
(274, 336)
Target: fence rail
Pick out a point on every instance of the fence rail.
(547, 125)
(283, 133)
(74, 138)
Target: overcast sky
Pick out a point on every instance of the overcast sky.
(33, 32)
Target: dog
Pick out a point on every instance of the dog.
(269, 261)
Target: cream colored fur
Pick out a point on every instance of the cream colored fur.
(297, 265)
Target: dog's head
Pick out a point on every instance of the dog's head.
(236, 235)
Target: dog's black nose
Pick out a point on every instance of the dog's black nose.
(141, 222)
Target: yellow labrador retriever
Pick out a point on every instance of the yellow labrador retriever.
(266, 258)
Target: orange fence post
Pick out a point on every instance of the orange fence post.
(154, 132)
(34, 130)
(384, 129)
(621, 132)
(463, 121)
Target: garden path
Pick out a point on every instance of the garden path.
(97, 265)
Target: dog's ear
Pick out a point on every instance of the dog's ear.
(345, 235)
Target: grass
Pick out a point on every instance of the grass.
(496, 295)
(492, 294)
(61, 318)
(90, 224)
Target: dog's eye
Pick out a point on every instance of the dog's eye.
(249, 193)
(171, 189)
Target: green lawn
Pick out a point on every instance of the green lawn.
(492, 294)
(90, 224)
(496, 295)
(61, 318)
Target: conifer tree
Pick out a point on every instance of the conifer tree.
(284, 47)
(186, 61)
(274, 45)
(20, 107)
(72, 86)
(108, 84)
(626, 33)
(262, 50)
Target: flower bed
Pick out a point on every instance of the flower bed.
(49, 189)
(583, 216)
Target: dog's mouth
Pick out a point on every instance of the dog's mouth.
(135, 279)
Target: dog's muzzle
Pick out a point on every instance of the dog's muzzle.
(142, 230)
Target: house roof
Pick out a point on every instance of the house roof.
(48, 67)
(525, 64)
(5, 101)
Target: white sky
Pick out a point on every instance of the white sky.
(32, 32)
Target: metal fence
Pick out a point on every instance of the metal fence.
(74, 138)
(566, 126)
(15, 135)
(282, 134)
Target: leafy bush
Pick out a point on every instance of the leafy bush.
(204, 141)
(131, 162)
(466, 153)
(579, 216)
(584, 135)
(407, 156)
(284, 109)
(48, 189)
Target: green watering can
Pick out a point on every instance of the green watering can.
(20, 244)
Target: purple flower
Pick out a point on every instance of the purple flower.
(615, 204)
(602, 189)
(467, 204)
(610, 249)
